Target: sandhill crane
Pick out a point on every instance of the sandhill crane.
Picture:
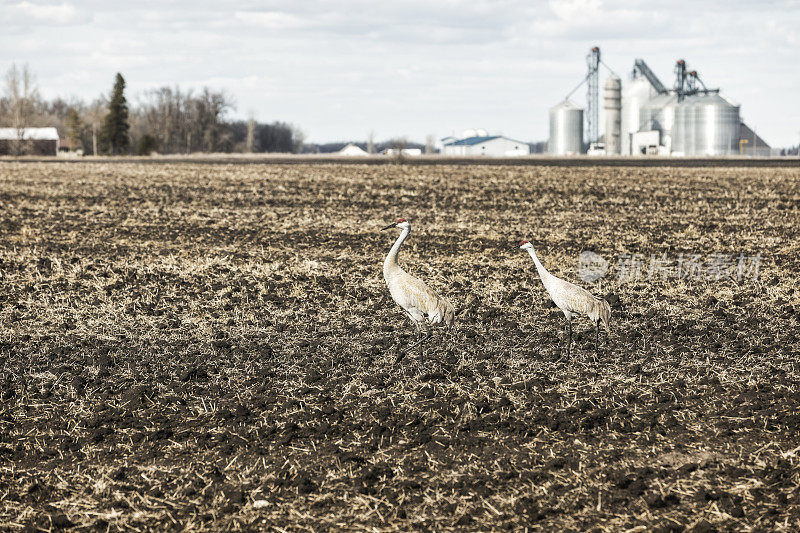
(571, 299)
(417, 299)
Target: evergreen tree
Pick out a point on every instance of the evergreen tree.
(114, 133)
(74, 129)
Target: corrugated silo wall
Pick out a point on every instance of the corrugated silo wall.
(613, 109)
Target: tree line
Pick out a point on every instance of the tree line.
(167, 120)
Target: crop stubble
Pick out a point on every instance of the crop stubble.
(212, 347)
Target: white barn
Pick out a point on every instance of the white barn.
(29, 141)
(493, 146)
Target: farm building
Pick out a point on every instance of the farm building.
(495, 146)
(352, 150)
(752, 144)
(28, 141)
(410, 152)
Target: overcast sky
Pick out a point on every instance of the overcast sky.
(406, 67)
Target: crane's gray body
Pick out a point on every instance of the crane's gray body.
(418, 300)
(571, 299)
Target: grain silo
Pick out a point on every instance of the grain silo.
(686, 118)
(566, 129)
(706, 124)
(613, 109)
(689, 118)
(635, 94)
(659, 114)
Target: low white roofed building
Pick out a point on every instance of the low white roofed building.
(410, 152)
(491, 145)
(29, 141)
(351, 150)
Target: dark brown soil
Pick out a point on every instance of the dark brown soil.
(212, 347)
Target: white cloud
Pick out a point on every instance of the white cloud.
(274, 20)
(49, 13)
(571, 10)
(408, 67)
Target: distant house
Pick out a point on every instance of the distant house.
(351, 150)
(29, 141)
(494, 146)
(410, 152)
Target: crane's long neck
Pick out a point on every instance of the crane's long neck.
(390, 263)
(543, 273)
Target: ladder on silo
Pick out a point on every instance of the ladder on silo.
(592, 95)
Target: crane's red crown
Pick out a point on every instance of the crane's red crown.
(523, 243)
(399, 220)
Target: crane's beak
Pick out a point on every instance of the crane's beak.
(390, 226)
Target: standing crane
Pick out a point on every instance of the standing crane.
(571, 299)
(417, 299)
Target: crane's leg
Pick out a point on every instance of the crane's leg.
(401, 354)
(420, 340)
(569, 337)
(426, 335)
(596, 336)
(595, 357)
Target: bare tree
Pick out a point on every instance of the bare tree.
(94, 115)
(22, 96)
(430, 144)
(398, 143)
(298, 137)
(183, 121)
(251, 134)
(163, 113)
(275, 137)
(371, 142)
(205, 113)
